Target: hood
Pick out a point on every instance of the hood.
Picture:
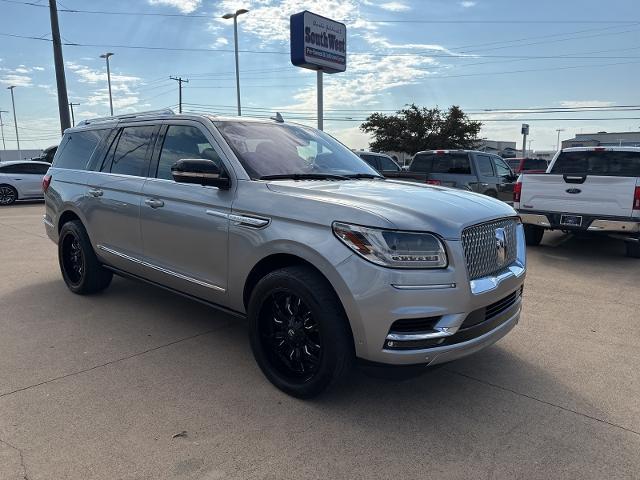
(404, 205)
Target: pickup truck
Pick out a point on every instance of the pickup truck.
(585, 189)
(463, 169)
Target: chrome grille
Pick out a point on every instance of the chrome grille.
(480, 247)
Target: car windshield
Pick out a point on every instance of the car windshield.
(291, 151)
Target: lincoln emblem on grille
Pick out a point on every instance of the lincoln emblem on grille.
(501, 246)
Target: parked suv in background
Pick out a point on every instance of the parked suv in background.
(21, 180)
(380, 161)
(463, 169)
(527, 165)
(284, 225)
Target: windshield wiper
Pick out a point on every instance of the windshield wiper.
(304, 176)
(364, 175)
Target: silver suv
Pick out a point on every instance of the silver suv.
(282, 224)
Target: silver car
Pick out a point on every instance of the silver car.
(282, 224)
(21, 180)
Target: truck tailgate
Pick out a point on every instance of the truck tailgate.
(590, 194)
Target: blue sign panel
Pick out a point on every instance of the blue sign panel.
(318, 43)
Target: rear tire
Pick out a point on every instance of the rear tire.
(533, 234)
(633, 249)
(8, 195)
(81, 270)
(299, 333)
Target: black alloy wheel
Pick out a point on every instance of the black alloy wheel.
(8, 195)
(290, 336)
(72, 258)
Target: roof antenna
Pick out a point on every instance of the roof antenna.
(278, 118)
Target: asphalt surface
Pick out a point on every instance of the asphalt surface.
(98, 387)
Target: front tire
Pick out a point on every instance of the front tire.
(8, 195)
(81, 270)
(533, 234)
(633, 249)
(299, 333)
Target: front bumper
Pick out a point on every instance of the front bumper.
(444, 300)
(590, 223)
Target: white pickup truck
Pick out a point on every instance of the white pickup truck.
(586, 189)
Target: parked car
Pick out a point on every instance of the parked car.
(463, 169)
(380, 161)
(586, 189)
(527, 165)
(21, 180)
(47, 154)
(284, 225)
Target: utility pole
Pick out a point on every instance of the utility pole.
(227, 16)
(106, 56)
(530, 150)
(319, 100)
(15, 120)
(525, 132)
(558, 141)
(61, 81)
(73, 118)
(4, 146)
(180, 81)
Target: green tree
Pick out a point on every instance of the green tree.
(414, 128)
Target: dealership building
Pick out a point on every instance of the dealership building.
(604, 139)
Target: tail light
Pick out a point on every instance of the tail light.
(636, 199)
(434, 182)
(517, 192)
(46, 181)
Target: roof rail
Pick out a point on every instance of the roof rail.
(162, 112)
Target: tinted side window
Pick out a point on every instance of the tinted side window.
(34, 168)
(130, 155)
(183, 142)
(76, 148)
(371, 160)
(15, 168)
(421, 163)
(386, 164)
(457, 163)
(485, 166)
(535, 164)
(501, 167)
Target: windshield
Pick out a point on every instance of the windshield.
(267, 149)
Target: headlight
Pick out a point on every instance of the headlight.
(392, 248)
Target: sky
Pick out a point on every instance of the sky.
(479, 54)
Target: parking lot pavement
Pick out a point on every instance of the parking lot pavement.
(97, 387)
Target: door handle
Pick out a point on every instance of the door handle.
(153, 203)
(17, 179)
(95, 192)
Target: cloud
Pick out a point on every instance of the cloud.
(185, 6)
(468, 4)
(585, 103)
(395, 6)
(123, 87)
(220, 42)
(50, 89)
(17, 80)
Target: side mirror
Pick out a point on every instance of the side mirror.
(200, 172)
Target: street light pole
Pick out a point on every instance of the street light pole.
(106, 56)
(15, 120)
(4, 146)
(180, 81)
(227, 16)
(73, 119)
(558, 141)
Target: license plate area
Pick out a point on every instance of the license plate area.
(571, 220)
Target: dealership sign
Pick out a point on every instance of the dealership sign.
(318, 43)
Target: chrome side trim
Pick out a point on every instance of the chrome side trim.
(438, 332)
(535, 219)
(47, 222)
(516, 269)
(161, 269)
(435, 286)
(614, 226)
(241, 220)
